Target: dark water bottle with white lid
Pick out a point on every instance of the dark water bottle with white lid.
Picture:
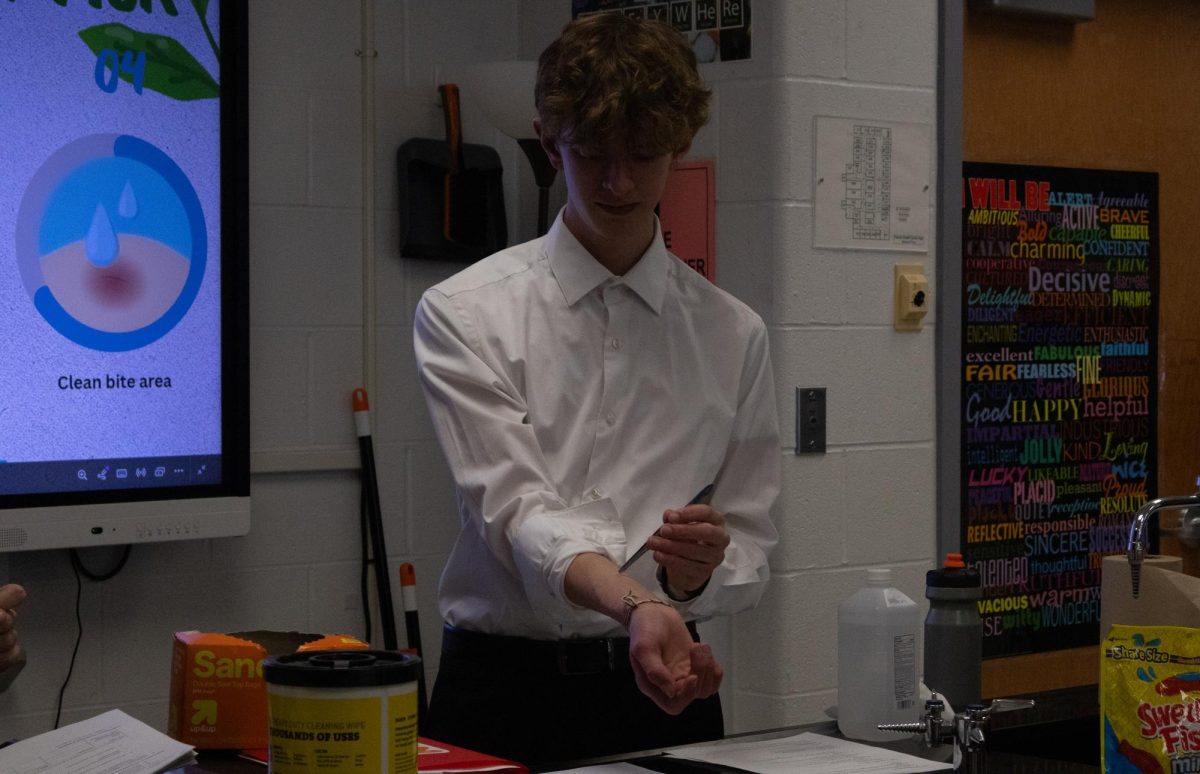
(954, 632)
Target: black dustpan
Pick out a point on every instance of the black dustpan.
(451, 194)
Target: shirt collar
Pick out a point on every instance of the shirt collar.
(578, 273)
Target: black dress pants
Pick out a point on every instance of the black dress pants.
(542, 703)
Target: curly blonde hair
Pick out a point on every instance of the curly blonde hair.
(612, 78)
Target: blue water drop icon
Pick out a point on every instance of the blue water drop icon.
(101, 242)
(127, 206)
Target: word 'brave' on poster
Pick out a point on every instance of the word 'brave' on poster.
(1059, 329)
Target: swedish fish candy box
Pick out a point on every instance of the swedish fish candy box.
(1150, 700)
(218, 696)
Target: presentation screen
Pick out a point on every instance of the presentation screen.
(123, 386)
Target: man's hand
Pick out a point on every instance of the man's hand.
(668, 666)
(690, 544)
(11, 596)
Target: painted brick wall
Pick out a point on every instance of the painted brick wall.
(868, 501)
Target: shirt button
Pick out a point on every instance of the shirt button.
(616, 343)
(611, 418)
(595, 493)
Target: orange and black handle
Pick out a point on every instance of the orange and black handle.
(454, 160)
(412, 624)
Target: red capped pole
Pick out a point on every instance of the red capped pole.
(370, 491)
(408, 598)
(412, 624)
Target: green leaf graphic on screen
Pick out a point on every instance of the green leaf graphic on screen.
(170, 69)
(201, 7)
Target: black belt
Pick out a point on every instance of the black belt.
(562, 657)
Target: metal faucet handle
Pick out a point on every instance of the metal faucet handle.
(1189, 523)
(1008, 705)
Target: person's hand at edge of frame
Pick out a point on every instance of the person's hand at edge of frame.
(11, 596)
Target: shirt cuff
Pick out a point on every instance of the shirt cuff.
(547, 542)
(736, 585)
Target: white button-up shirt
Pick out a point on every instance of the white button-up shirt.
(574, 407)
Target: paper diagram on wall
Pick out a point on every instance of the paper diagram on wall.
(872, 185)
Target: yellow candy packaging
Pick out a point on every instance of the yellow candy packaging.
(1150, 700)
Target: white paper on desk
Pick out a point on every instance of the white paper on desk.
(808, 753)
(111, 742)
(605, 768)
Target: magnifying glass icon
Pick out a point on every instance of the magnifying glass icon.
(81, 474)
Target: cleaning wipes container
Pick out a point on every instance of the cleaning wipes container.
(877, 659)
(353, 712)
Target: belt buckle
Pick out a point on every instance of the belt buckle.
(566, 667)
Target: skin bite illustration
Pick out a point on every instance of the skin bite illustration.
(111, 242)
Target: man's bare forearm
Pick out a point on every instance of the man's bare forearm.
(594, 582)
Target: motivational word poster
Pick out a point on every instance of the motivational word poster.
(1060, 293)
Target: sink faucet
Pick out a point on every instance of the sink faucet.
(1136, 550)
(967, 730)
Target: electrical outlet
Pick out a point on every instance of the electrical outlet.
(810, 420)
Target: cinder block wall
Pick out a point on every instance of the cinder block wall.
(870, 500)
(324, 227)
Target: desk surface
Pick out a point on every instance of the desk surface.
(999, 762)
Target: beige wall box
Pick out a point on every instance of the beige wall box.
(912, 296)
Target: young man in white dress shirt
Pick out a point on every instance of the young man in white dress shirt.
(584, 386)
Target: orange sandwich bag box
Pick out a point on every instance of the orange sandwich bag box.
(218, 696)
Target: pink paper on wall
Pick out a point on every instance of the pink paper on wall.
(688, 212)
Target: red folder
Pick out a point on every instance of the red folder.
(438, 757)
(442, 757)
